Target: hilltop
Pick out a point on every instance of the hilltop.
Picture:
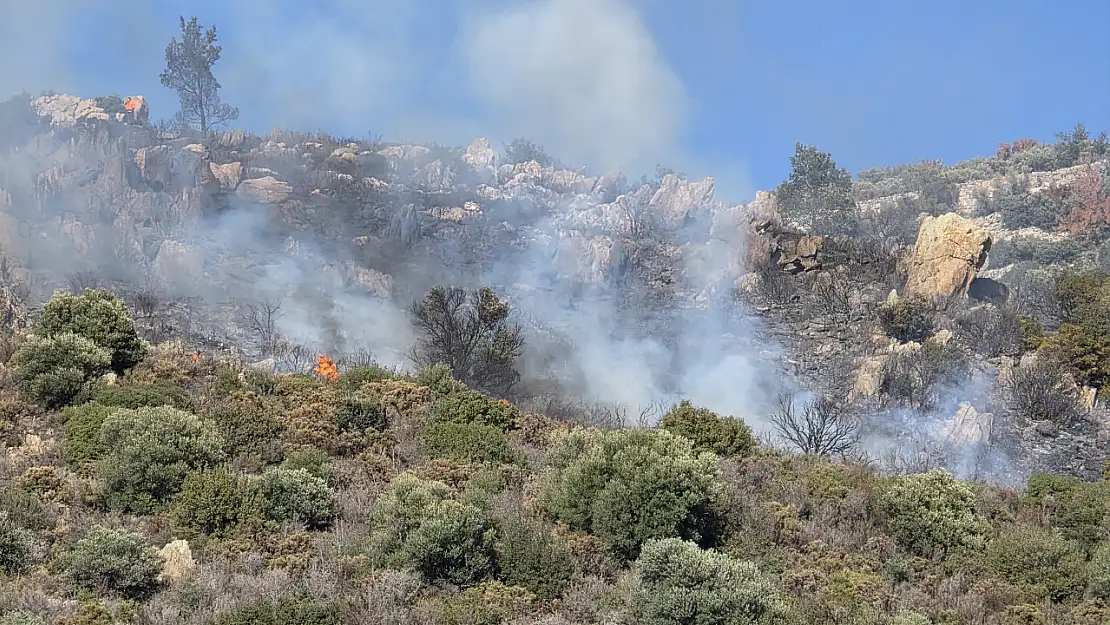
(846, 344)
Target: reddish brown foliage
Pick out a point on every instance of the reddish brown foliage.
(1091, 213)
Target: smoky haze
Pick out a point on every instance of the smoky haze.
(583, 78)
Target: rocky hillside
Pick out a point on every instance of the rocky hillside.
(291, 244)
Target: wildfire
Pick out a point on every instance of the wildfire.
(325, 368)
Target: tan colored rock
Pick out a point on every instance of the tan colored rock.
(155, 165)
(969, 426)
(376, 282)
(268, 190)
(950, 249)
(178, 562)
(482, 158)
(676, 197)
(229, 174)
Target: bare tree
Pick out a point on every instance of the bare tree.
(294, 357)
(81, 280)
(260, 319)
(470, 334)
(1038, 391)
(820, 426)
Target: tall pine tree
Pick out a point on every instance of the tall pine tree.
(189, 72)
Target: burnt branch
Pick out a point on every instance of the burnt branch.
(820, 426)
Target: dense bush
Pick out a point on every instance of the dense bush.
(1034, 249)
(931, 513)
(16, 544)
(1079, 510)
(293, 610)
(149, 452)
(1083, 340)
(709, 431)
(818, 194)
(359, 412)
(82, 426)
(906, 319)
(680, 583)
(213, 502)
(251, 428)
(1100, 572)
(99, 316)
(417, 525)
(529, 556)
(1038, 560)
(1038, 391)
(295, 495)
(57, 370)
(630, 486)
(142, 395)
(469, 443)
(488, 603)
(475, 407)
(113, 562)
(1022, 209)
(521, 150)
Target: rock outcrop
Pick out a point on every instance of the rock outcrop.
(950, 249)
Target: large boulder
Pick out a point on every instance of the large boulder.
(179, 263)
(949, 251)
(676, 197)
(268, 190)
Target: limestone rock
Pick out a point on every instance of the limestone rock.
(375, 282)
(179, 564)
(950, 249)
(482, 158)
(676, 197)
(969, 426)
(155, 166)
(229, 174)
(268, 190)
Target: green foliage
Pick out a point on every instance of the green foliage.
(1034, 249)
(680, 583)
(469, 443)
(906, 319)
(818, 194)
(528, 556)
(99, 316)
(57, 370)
(188, 71)
(440, 379)
(295, 495)
(25, 509)
(709, 431)
(150, 451)
(142, 395)
(488, 603)
(16, 544)
(21, 618)
(295, 610)
(1039, 560)
(477, 408)
(354, 378)
(1083, 341)
(359, 412)
(931, 512)
(1100, 572)
(316, 461)
(629, 486)
(213, 502)
(113, 562)
(251, 427)
(1079, 510)
(1022, 209)
(83, 443)
(417, 525)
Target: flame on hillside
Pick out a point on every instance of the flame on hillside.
(325, 368)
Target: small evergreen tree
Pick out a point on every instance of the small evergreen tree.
(189, 72)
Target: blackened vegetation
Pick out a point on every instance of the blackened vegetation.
(471, 334)
(819, 426)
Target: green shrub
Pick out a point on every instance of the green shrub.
(314, 460)
(1100, 572)
(82, 424)
(21, 618)
(57, 370)
(818, 194)
(709, 431)
(1038, 560)
(469, 443)
(295, 495)
(1083, 340)
(25, 509)
(148, 453)
(440, 379)
(1038, 250)
(213, 502)
(16, 544)
(1079, 510)
(906, 319)
(98, 316)
(113, 562)
(1022, 209)
(488, 603)
(931, 512)
(359, 412)
(142, 395)
(908, 617)
(294, 610)
(252, 429)
(475, 407)
(354, 378)
(680, 583)
(528, 556)
(629, 486)
(418, 526)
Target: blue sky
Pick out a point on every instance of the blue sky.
(708, 87)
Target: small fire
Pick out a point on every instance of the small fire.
(325, 368)
(131, 104)
(506, 402)
(196, 358)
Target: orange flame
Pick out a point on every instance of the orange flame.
(325, 368)
(506, 402)
(130, 103)
(196, 357)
